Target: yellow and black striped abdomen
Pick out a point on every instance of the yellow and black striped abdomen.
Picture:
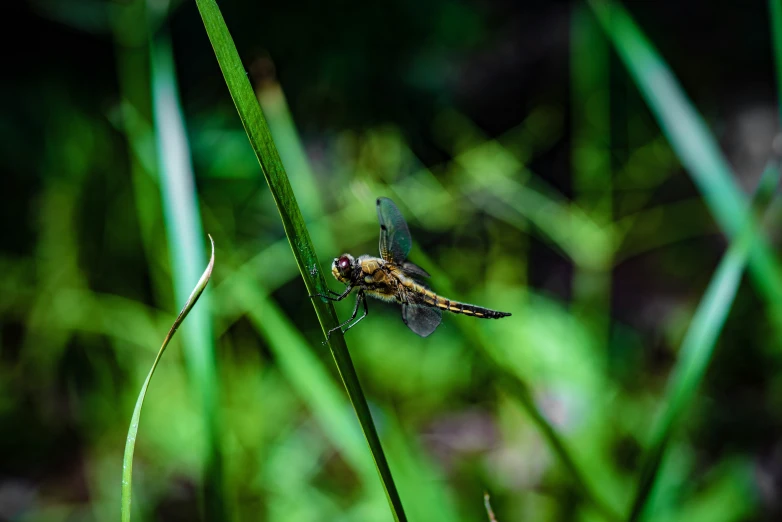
(427, 297)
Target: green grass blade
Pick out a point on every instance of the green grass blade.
(591, 161)
(133, 76)
(300, 366)
(426, 496)
(690, 138)
(260, 138)
(698, 344)
(183, 230)
(286, 137)
(130, 442)
(775, 6)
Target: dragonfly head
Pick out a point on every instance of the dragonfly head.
(342, 268)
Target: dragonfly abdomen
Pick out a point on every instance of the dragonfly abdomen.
(457, 307)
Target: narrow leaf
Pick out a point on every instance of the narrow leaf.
(775, 6)
(295, 229)
(184, 231)
(130, 442)
(698, 344)
(690, 138)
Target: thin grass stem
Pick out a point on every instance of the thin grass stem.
(295, 229)
(130, 441)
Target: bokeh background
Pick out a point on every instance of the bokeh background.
(535, 181)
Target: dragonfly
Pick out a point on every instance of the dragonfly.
(391, 277)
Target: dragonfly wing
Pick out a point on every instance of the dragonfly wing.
(395, 240)
(414, 270)
(423, 320)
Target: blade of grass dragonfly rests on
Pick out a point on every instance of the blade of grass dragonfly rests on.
(699, 341)
(295, 229)
(130, 442)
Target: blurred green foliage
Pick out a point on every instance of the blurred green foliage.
(534, 179)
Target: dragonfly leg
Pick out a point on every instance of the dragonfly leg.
(366, 311)
(359, 299)
(331, 293)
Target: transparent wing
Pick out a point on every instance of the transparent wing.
(395, 240)
(414, 270)
(421, 319)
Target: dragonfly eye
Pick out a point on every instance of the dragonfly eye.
(343, 265)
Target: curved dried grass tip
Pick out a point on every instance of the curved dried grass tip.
(487, 503)
(199, 287)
